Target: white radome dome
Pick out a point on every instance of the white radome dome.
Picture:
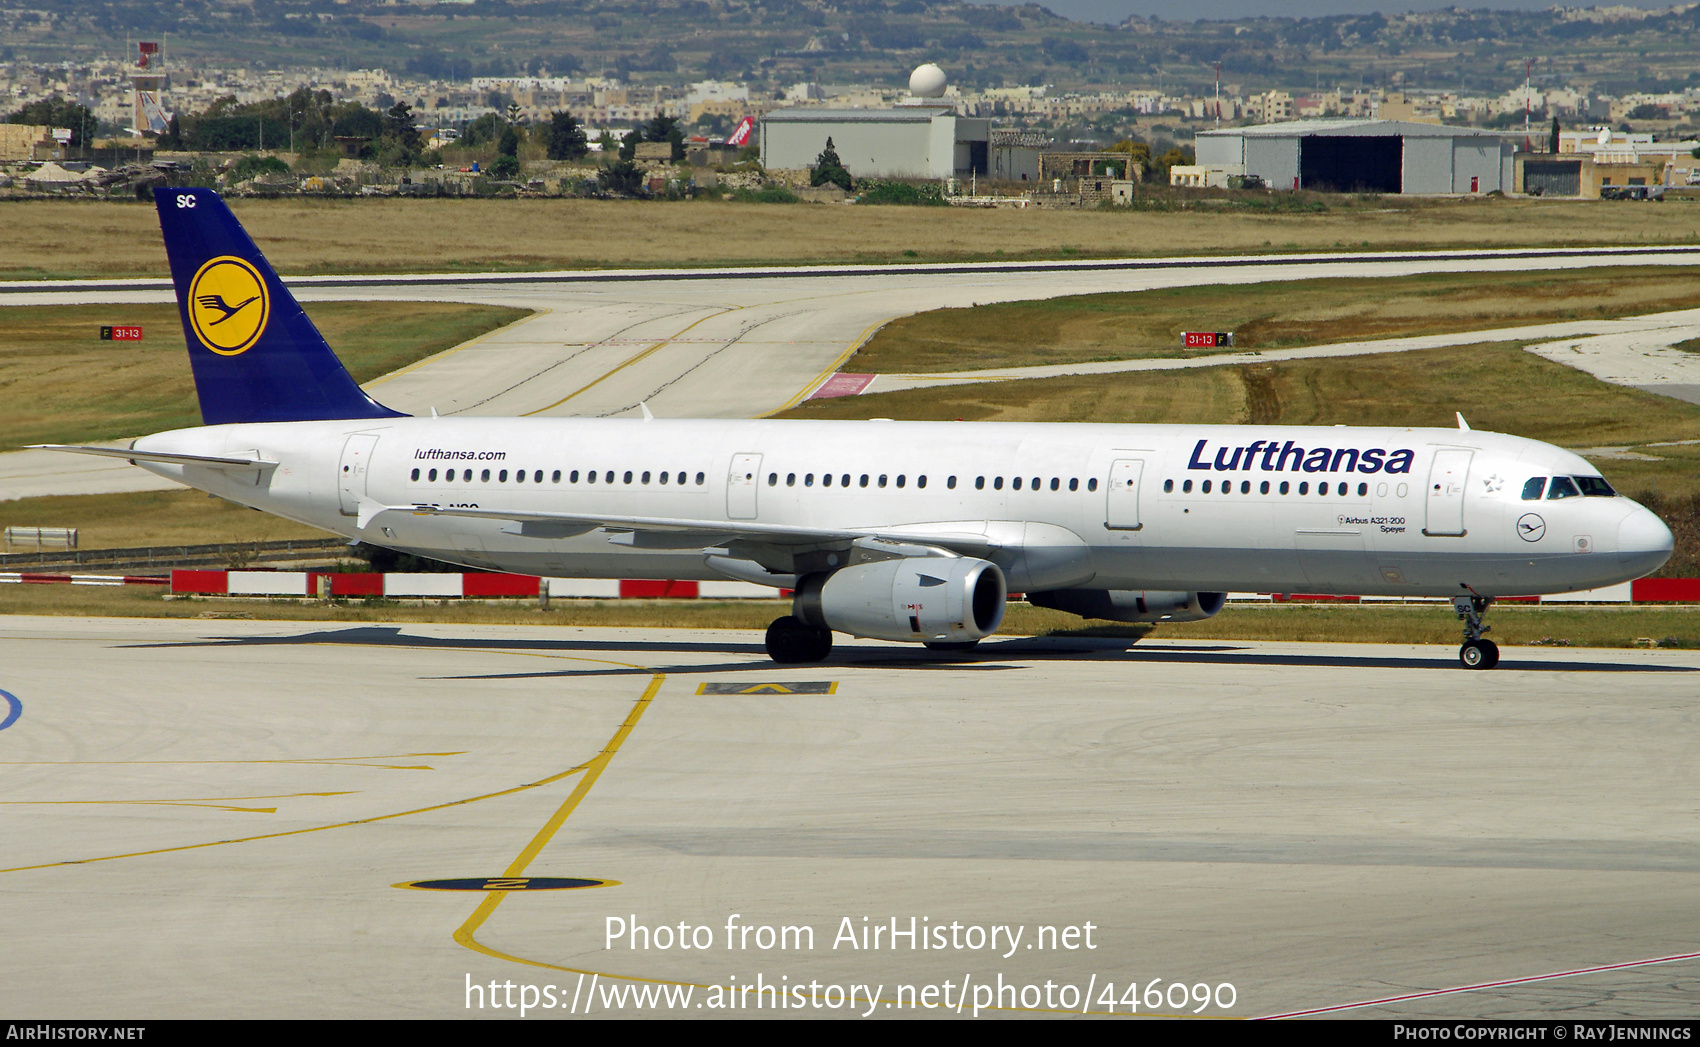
(927, 81)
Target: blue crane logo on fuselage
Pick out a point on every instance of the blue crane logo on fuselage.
(228, 305)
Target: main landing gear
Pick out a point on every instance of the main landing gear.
(792, 641)
(1476, 653)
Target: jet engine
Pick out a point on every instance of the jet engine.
(931, 599)
(1131, 605)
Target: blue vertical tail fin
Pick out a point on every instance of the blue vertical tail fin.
(255, 354)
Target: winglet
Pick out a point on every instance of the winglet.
(255, 354)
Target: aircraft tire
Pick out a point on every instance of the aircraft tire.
(1479, 654)
(790, 641)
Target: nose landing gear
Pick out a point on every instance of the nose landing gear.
(1476, 653)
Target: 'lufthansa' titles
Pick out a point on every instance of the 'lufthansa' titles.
(1288, 457)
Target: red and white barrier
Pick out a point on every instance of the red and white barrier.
(36, 578)
(1644, 590)
(399, 585)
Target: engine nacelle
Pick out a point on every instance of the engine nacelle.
(1131, 605)
(920, 598)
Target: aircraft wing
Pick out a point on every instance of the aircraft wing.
(681, 533)
(131, 455)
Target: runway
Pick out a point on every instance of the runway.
(219, 818)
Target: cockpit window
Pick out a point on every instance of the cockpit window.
(1562, 487)
(1532, 488)
(1594, 486)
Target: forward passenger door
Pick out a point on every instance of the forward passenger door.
(742, 483)
(1122, 510)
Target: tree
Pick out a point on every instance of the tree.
(566, 138)
(508, 144)
(487, 128)
(1552, 146)
(623, 176)
(57, 112)
(398, 124)
(1179, 156)
(829, 170)
(505, 168)
(666, 129)
(629, 144)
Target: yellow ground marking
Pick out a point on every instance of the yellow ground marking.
(513, 790)
(536, 314)
(814, 383)
(631, 360)
(327, 761)
(466, 933)
(219, 803)
(593, 770)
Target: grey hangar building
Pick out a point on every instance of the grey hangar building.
(1379, 156)
(906, 141)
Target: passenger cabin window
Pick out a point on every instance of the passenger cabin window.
(1092, 484)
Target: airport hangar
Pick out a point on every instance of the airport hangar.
(905, 141)
(1382, 156)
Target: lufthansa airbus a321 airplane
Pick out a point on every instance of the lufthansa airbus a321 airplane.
(896, 530)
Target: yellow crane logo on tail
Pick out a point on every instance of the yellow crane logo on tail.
(228, 305)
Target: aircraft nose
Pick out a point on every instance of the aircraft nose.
(1644, 543)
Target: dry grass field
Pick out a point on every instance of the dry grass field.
(1513, 625)
(62, 384)
(1148, 324)
(65, 238)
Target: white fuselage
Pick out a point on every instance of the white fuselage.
(1288, 509)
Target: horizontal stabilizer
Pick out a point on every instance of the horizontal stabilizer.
(131, 455)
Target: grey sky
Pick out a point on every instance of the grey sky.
(1116, 10)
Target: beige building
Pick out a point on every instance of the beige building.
(1582, 175)
(20, 142)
